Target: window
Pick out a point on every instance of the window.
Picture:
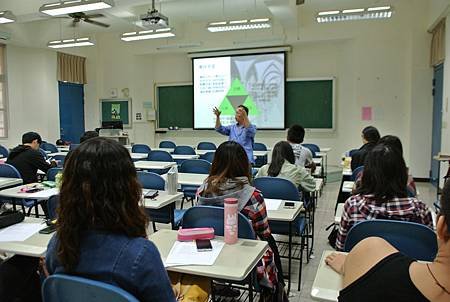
(3, 95)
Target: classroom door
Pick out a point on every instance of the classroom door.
(71, 111)
(437, 119)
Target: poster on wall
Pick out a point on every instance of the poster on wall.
(116, 110)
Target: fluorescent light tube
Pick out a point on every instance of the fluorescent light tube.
(74, 6)
(356, 10)
(7, 17)
(239, 25)
(70, 43)
(147, 34)
(332, 12)
(382, 12)
(371, 9)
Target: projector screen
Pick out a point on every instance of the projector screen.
(256, 81)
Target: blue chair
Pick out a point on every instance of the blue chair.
(49, 147)
(313, 148)
(43, 153)
(52, 204)
(73, 146)
(187, 150)
(158, 155)
(206, 146)
(208, 156)
(60, 287)
(352, 151)
(153, 181)
(4, 151)
(140, 148)
(197, 166)
(167, 144)
(413, 239)
(280, 188)
(60, 159)
(356, 173)
(260, 160)
(51, 173)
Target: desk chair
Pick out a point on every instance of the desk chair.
(167, 144)
(52, 204)
(280, 188)
(49, 147)
(158, 155)
(185, 150)
(140, 148)
(43, 153)
(313, 148)
(60, 287)
(73, 146)
(4, 151)
(260, 160)
(206, 146)
(51, 173)
(59, 159)
(357, 173)
(352, 151)
(413, 239)
(209, 216)
(208, 156)
(153, 181)
(197, 166)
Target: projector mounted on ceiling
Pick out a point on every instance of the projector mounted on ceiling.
(154, 19)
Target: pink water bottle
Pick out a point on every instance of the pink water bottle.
(230, 220)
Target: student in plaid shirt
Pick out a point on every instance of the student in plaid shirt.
(382, 194)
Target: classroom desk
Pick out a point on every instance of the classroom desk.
(346, 172)
(138, 155)
(163, 199)
(203, 152)
(347, 186)
(439, 159)
(6, 182)
(147, 164)
(169, 150)
(338, 213)
(184, 156)
(325, 150)
(235, 261)
(260, 153)
(327, 282)
(34, 246)
(15, 192)
(57, 154)
(63, 148)
(189, 179)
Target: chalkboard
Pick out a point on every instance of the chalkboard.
(309, 102)
(116, 110)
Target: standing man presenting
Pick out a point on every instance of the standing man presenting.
(243, 132)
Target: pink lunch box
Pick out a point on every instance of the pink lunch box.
(195, 233)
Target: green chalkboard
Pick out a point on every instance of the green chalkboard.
(116, 110)
(175, 106)
(308, 103)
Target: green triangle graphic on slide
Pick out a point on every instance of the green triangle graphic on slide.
(237, 89)
(252, 109)
(226, 108)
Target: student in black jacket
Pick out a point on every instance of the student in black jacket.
(370, 137)
(27, 159)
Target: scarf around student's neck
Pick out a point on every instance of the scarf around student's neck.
(237, 187)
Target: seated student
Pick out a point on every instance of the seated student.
(382, 194)
(303, 156)
(370, 137)
(87, 135)
(27, 159)
(283, 166)
(376, 271)
(229, 177)
(101, 228)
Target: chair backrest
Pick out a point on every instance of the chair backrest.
(150, 180)
(356, 173)
(188, 150)
(167, 144)
(7, 170)
(277, 188)
(208, 216)
(413, 239)
(313, 148)
(352, 151)
(140, 148)
(73, 146)
(4, 151)
(52, 204)
(51, 173)
(208, 156)
(67, 288)
(43, 153)
(60, 159)
(49, 147)
(259, 147)
(198, 166)
(206, 146)
(158, 155)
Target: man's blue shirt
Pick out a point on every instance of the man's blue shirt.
(241, 135)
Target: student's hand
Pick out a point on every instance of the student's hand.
(43, 267)
(216, 111)
(336, 262)
(54, 163)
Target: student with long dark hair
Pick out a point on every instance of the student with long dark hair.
(374, 270)
(283, 166)
(382, 194)
(370, 137)
(101, 228)
(230, 177)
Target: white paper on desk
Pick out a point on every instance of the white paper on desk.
(185, 253)
(272, 204)
(44, 193)
(20, 231)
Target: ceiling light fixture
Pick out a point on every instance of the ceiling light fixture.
(7, 17)
(259, 23)
(380, 12)
(76, 42)
(74, 6)
(147, 34)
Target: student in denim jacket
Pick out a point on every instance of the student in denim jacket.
(101, 228)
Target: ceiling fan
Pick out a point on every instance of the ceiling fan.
(78, 17)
